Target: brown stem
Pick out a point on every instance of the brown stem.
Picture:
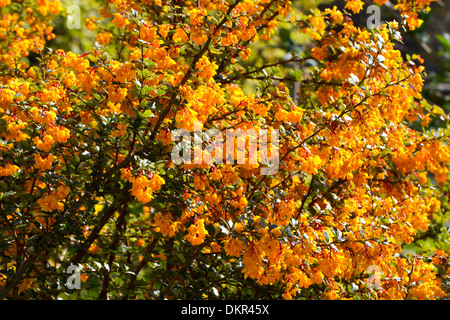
(94, 234)
(119, 225)
(141, 265)
(184, 266)
(306, 197)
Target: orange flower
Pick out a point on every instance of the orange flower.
(234, 247)
(104, 37)
(354, 5)
(4, 3)
(207, 68)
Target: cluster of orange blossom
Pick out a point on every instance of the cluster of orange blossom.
(86, 174)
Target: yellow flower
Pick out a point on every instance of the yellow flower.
(318, 53)
(104, 37)
(164, 30)
(4, 3)
(196, 232)
(180, 36)
(234, 247)
(245, 53)
(143, 188)
(45, 144)
(90, 24)
(8, 169)
(44, 163)
(120, 21)
(354, 5)
(207, 68)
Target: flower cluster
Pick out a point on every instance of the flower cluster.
(144, 187)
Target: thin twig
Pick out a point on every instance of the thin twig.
(305, 197)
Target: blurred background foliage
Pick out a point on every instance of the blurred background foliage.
(75, 40)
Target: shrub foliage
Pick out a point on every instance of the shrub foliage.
(87, 175)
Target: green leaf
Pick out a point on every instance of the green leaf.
(6, 194)
(146, 89)
(147, 113)
(137, 122)
(327, 236)
(297, 74)
(211, 229)
(361, 232)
